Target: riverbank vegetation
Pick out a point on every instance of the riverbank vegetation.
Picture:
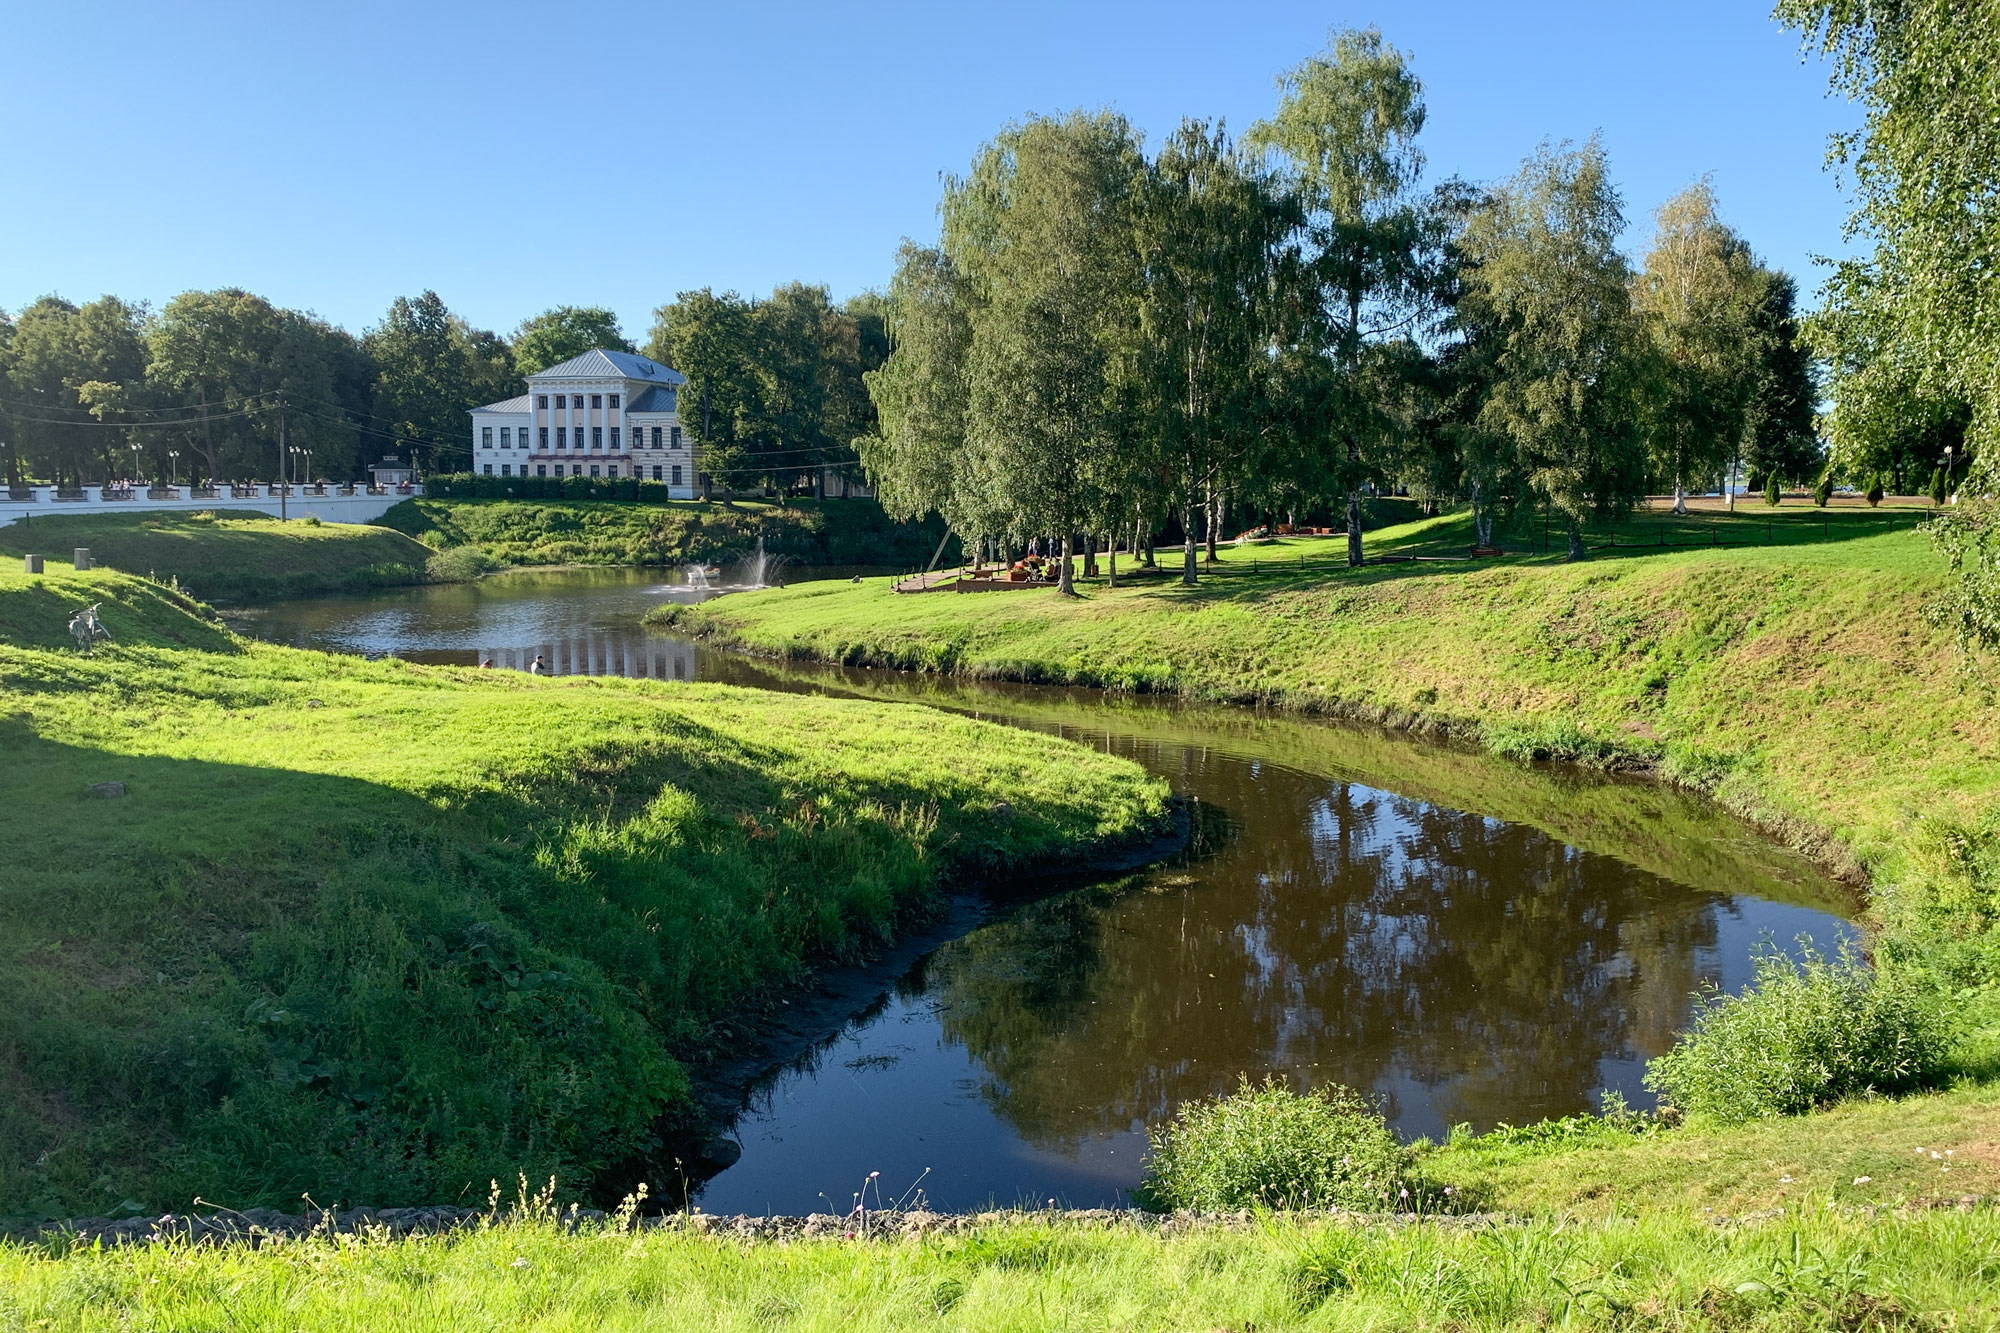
(1819, 1266)
(601, 532)
(225, 555)
(278, 921)
(1798, 682)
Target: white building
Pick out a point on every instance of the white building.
(602, 414)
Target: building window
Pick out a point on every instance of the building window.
(542, 401)
(593, 469)
(677, 474)
(541, 470)
(545, 437)
(614, 437)
(562, 437)
(506, 469)
(486, 437)
(677, 437)
(597, 400)
(656, 437)
(507, 439)
(613, 400)
(597, 437)
(656, 474)
(561, 403)
(489, 469)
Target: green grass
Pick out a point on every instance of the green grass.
(382, 932)
(607, 532)
(229, 556)
(1817, 1267)
(1796, 681)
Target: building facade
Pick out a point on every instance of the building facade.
(602, 414)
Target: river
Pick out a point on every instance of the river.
(1471, 941)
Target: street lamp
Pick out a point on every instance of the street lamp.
(173, 467)
(136, 447)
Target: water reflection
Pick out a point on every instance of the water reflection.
(1343, 915)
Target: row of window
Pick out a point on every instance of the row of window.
(564, 401)
(672, 436)
(576, 470)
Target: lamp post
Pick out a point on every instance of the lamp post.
(1948, 492)
(136, 466)
(173, 467)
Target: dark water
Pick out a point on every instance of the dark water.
(1471, 941)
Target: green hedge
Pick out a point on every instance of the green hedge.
(472, 486)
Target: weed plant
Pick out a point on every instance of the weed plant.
(1266, 1146)
(1803, 1035)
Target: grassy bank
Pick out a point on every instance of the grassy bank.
(227, 556)
(1818, 1267)
(605, 532)
(1795, 680)
(384, 932)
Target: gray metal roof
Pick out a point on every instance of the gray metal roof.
(659, 398)
(605, 362)
(511, 405)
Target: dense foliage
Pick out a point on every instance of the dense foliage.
(1107, 346)
(1266, 1146)
(1802, 1036)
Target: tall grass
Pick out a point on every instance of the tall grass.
(1819, 1268)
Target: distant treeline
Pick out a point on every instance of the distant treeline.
(223, 384)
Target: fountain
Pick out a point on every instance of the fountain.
(697, 577)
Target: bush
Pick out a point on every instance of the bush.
(1267, 1146)
(1772, 492)
(1802, 1035)
(1938, 485)
(459, 565)
(1824, 491)
(1874, 495)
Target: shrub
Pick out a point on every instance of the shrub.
(1824, 491)
(1772, 493)
(1874, 496)
(1938, 484)
(459, 565)
(1267, 1146)
(310, 520)
(1801, 1035)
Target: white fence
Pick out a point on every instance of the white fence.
(330, 503)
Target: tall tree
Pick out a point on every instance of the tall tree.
(1043, 228)
(1549, 280)
(65, 365)
(916, 457)
(1346, 136)
(1210, 224)
(1926, 172)
(1780, 432)
(1697, 298)
(431, 368)
(555, 336)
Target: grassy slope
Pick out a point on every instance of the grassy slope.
(1817, 1268)
(606, 532)
(236, 556)
(382, 931)
(1797, 681)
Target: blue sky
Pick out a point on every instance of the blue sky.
(519, 156)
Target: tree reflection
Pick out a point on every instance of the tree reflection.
(1464, 968)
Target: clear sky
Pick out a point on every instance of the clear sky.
(516, 156)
